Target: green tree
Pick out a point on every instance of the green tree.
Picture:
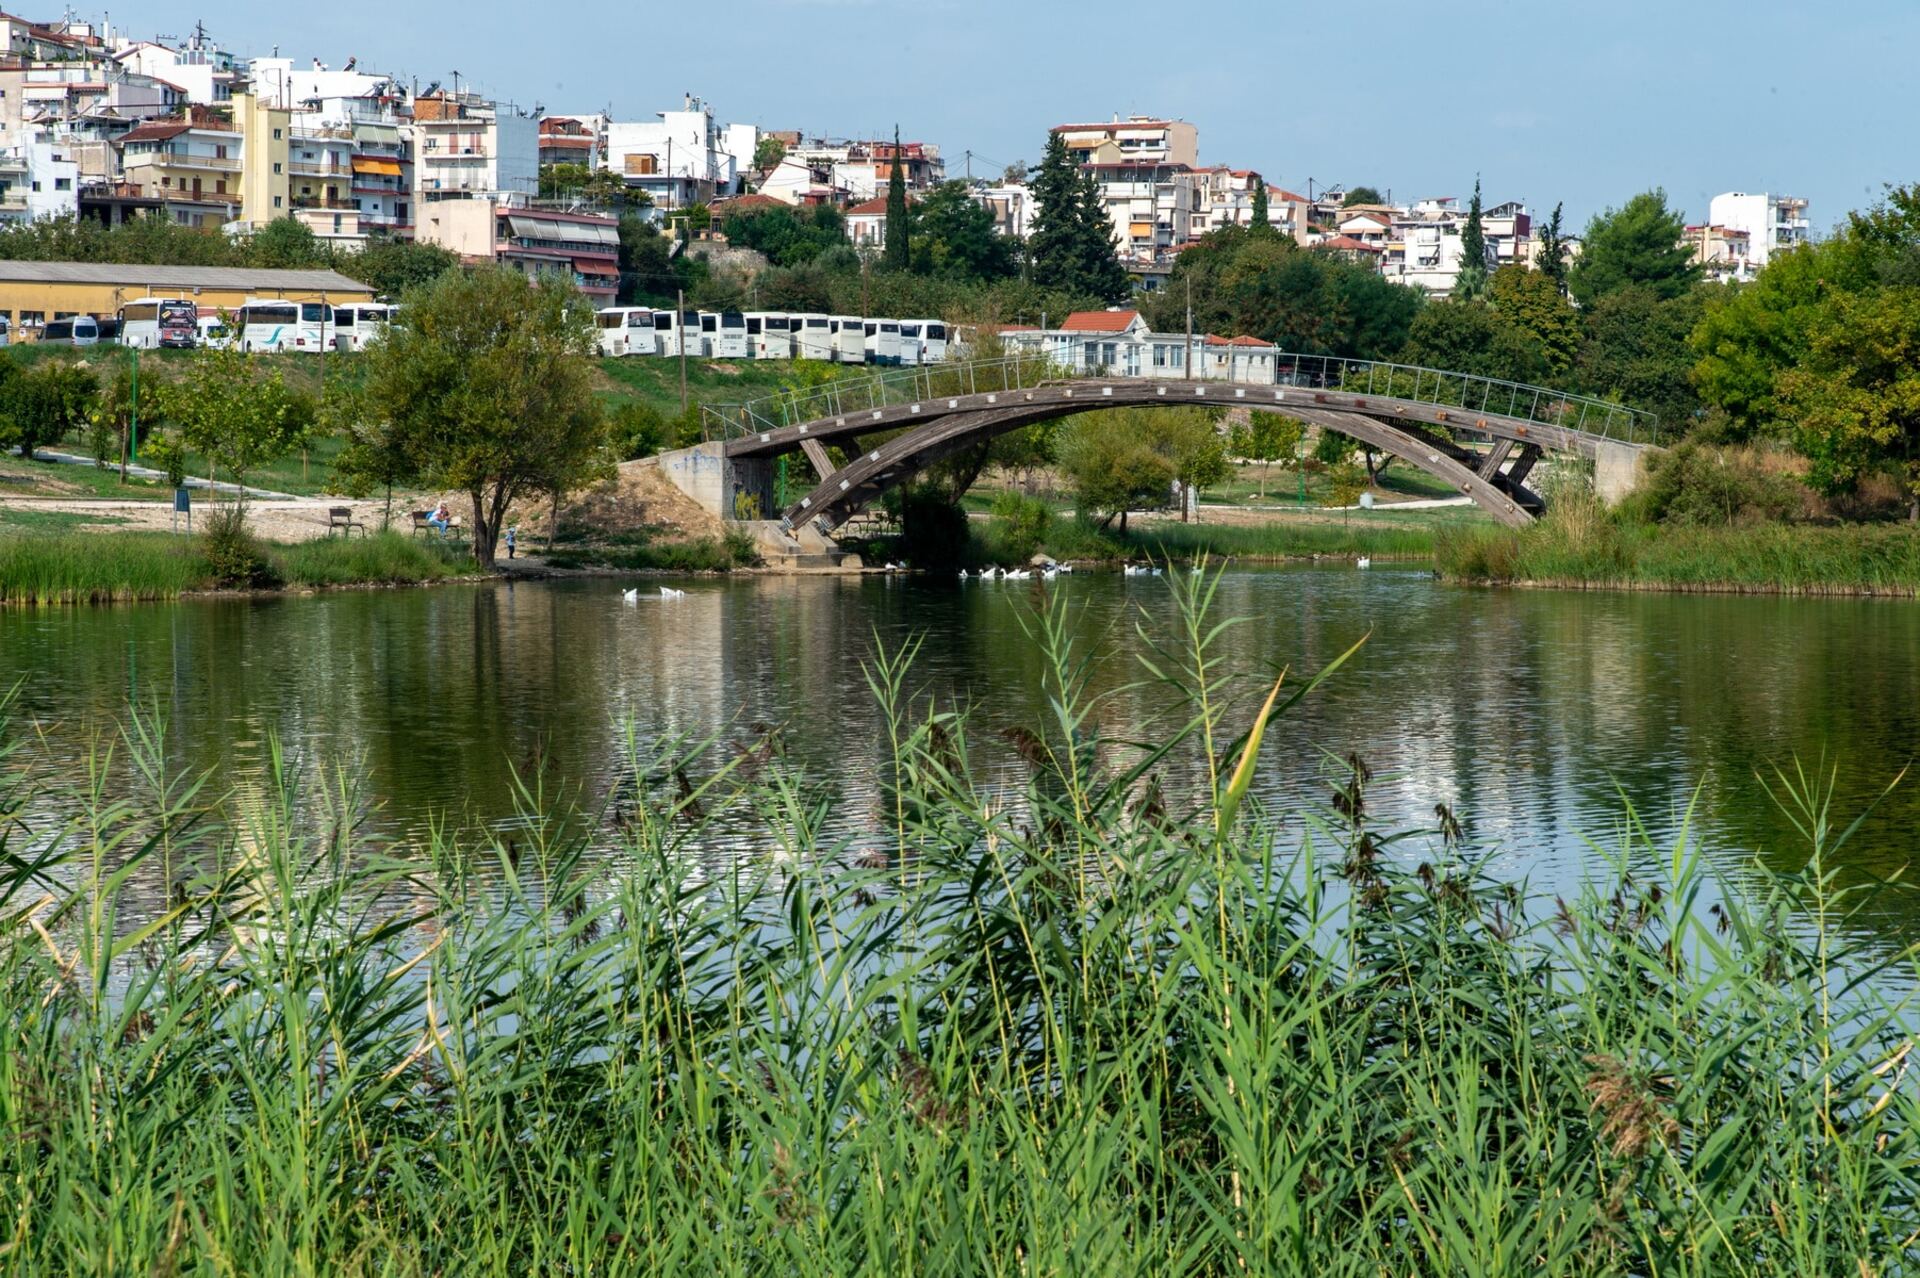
(1639, 245)
(43, 404)
(1100, 271)
(286, 244)
(1334, 449)
(1129, 458)
(767, 153)
(1111, 469)
(489, 388)
(1531, 302)
(1361, 195)
(954, 237)
(1472, 280)
(563, 181)
(1636, 350)
(648, 269)
(1260, 215)
(391, 267)
(233, 416)
(899, 245)
(1855, 399)
(1267, 286)
(1071, 245)
(1266, 438)
(376, 454)
(1553, 251)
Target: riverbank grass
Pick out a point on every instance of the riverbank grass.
(1067, 1025)
(67, 567)
(1578, 546)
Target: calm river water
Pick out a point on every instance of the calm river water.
(1530, 713)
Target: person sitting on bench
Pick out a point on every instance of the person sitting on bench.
(439, 519)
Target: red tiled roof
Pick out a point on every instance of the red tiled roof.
(756, 200)
(1275, 192)
(1213, 340)
(1347, 243)
(871, 206)
(155, 132)
(1099, 321)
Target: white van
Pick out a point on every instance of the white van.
(75, 330)
(215, 333)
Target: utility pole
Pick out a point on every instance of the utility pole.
(680, 326)
(1191, 374)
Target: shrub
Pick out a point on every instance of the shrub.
(1020, 525)
(164, 452)
(639, 429)
(235, 558)
(1704, 484)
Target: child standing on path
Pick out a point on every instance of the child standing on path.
(513, 537)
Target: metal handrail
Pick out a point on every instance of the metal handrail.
(1382, 378)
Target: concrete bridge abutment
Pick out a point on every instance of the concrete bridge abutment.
(1617, 469)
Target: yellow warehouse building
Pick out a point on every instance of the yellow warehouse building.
(32, 293)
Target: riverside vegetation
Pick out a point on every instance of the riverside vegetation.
(1076, 1026)
(81, 567)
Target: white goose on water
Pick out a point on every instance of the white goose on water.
(630, 596)
(668, 592)
(1364, 562)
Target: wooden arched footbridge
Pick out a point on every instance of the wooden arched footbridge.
(1480, 435)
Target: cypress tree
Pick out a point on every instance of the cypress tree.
(1473, 251)
(899, 255)
(1056, 217)
(1553, 251)
(1100, 271)
(1261, 219)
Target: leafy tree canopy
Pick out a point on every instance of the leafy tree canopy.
(488, 389)
(1638, 244)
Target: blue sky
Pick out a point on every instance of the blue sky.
(1546, 99)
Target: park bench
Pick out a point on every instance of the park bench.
(340, 519)
(420, 524)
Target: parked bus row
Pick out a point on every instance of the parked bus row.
(257, 324)
(839, 339)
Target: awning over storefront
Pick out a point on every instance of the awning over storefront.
(383, 168)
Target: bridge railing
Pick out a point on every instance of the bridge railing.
(1076, 358)
(886, 389)
(1489, 395)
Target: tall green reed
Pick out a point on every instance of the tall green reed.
(1091, 1023)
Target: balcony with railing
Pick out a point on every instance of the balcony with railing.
(319, 168)
(321, 202)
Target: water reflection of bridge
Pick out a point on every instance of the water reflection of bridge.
(1480, 435)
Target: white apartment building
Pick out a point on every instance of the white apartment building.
(53, 177)
(1140, 138)
(1773, 223)
(1010, 203)
(201, 69)
(683, 158)
(863, 169)
(1223, 197)
(465, 146)
(1724, 253)
(1149, 206)
(1424, 247)
(380, 181)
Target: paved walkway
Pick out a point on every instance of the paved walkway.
(145, 472)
